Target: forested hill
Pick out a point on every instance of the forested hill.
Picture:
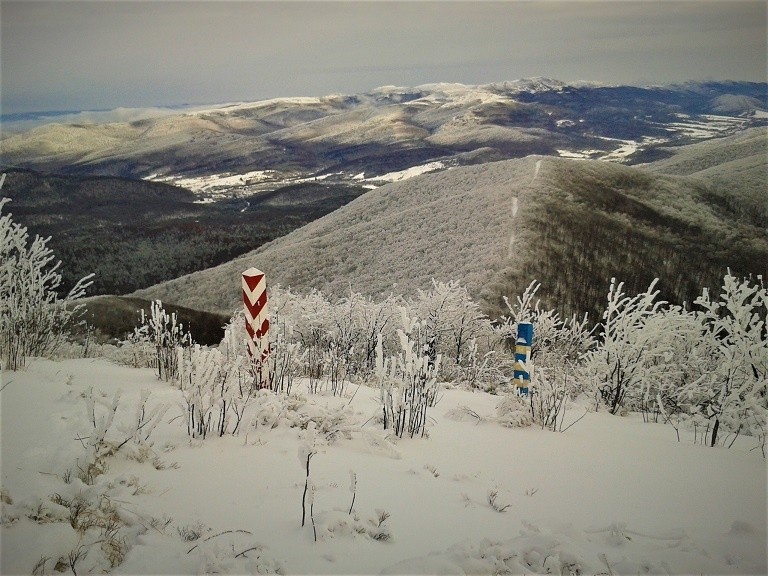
(573, 225)
(735, 169)
(136, 233)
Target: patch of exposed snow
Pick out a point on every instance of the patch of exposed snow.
(231, 106)
(409, 172)
(711, 126)
(570, 154)
(212, 181)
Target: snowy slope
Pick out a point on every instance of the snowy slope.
(580, 223)
(609, 495)
(403, 234)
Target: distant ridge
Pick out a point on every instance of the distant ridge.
(394, 128)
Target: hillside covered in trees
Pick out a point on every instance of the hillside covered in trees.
(572, 225)
(134, 233)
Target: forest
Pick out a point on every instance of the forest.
(135, 233)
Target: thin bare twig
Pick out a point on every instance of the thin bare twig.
(251, 549)
(575, 421)
(220, 534)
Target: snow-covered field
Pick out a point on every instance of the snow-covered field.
(712, 127)
(213, 187)
(610, 495)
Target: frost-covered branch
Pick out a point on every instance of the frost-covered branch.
(34, 321)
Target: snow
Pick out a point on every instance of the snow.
(213, 182)
(409, 172)
(712, 126)
(623, 151)
(708, 126)
(213, 187)
(232, 106)
(569, 154)
(610, 495)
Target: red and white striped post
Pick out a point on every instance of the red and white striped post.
(257, 323)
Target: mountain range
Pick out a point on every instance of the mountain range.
(391, 129)
(493, 185)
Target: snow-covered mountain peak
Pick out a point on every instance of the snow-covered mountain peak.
(536, 84)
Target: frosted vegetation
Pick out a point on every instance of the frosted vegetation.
(702, 370)
(34, 321)
(704, 367)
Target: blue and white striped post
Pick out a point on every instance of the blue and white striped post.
(523, 345)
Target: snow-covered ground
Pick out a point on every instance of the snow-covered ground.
(213, 181)
(713, 126)
(610, 495)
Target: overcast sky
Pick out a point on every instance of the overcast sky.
(102, 55)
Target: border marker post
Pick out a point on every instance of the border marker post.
(522, 377)
(257, 324)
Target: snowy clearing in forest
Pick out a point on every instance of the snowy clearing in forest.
(610, 495)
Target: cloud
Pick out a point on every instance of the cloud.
(95, 55)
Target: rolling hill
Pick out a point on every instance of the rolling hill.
(570, 224)
(734, 170)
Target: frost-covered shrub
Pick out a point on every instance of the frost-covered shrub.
(308, 318)
(216, 388)
(629, 344)
(483, 371)
(648, 349)
(337, 340)
(677, 362)
(550, 394)
(269, 411)
(34, 321)
(558, 348)
(286, 360)
(707, 367)
(159, 335)
(451, 321)
(733, 392)
(513, 411)
(553, 337)
(108, 436)
(408, 382)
